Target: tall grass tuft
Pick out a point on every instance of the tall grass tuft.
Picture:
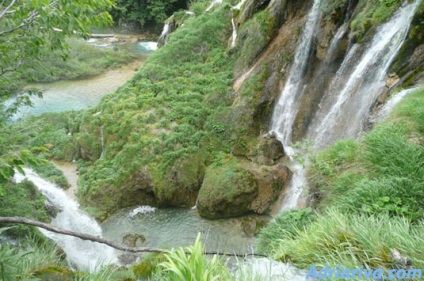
(190, 264)
(352, 240)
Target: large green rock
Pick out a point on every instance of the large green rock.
(227, 190)
(178, 186)
(234, 187)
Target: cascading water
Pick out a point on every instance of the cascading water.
(388, 107)
(346, 104)
(83, 255)
(165, 32)
(102, 142)
(213, 4)
(239, 5)
(287, 107)
(234, 38)
(343, 114)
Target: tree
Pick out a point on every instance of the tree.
(146, 12)
(30, 27)
(27, 29)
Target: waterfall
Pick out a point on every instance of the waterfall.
(233, 42)
(335, 43)
(388, 107)
(102, 141)
(213, 4)
(239, 5)
(195, 204)
(83, 255)
(166, 30)
(287, 107)
(348, 101)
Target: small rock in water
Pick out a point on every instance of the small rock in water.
(142, 210)
(131, 240)
(127, 259)
(51, 209)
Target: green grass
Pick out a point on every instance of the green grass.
(83, 60)
(384, 173)
(171, 110)
(369, 196)
(26, 261)
(351, 240)
(191, 264)
(371, 14)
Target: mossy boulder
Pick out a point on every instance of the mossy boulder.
(227, 190)
(234, 187)
(136, 190)
(133, 240)
(267, 151)
(179, 185)
(53, 273)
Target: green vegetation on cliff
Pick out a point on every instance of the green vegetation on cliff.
(368, 196)
(172, 109)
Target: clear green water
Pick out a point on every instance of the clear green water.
(179, 227)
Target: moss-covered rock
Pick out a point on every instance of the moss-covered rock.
(234, 187)
(178, 187)
(227, 190)
(136, 190)
(267, 151)
(53, 273)
(133, 240)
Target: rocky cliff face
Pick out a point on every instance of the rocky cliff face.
(249, 174)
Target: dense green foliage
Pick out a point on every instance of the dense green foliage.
(287, 225)
(384, 173)
(352, 240)
(22, 199)
(83, 60)
(29, 28)
(369, 13)
(145, 12)
(172, 109)
(26, 261)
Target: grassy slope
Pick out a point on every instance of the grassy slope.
(369, 198)
(172, 109)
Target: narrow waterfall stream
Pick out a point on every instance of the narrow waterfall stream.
(102, 142)
(234, 36)
(346, 103)
(287, 106)
(82, 255)
(388, 107)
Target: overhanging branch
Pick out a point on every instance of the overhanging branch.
(83, 236)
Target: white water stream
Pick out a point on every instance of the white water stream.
(346, 104)
(388, 107)
(83, 255)
(344, 114)
(287, 106)
(213, 4)
(234, 37)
